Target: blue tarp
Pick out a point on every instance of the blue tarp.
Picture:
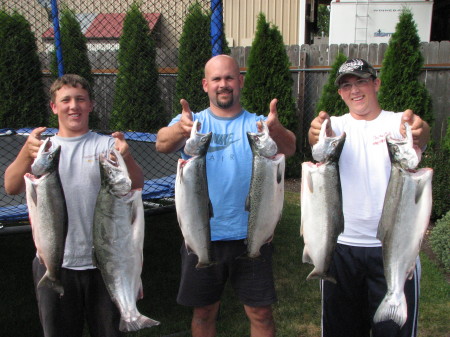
(153, 189)
(129, 135)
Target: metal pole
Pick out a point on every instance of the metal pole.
(216, 27)
(58, 46)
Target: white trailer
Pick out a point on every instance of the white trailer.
(367, 21)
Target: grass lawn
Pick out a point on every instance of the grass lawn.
(297, 312)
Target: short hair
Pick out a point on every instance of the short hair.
(72, 80)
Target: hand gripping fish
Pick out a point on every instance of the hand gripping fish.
(322, 218)
(48, 214)
(118, 238)
(266, 195)
(192, 201)
(404, 220)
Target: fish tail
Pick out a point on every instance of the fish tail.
(46, 281)
(317, 275)
(137, 324)
(391, 309)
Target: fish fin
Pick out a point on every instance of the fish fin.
(247, 203)
(420, 186)
(392, 309)
(140, 294)
(309, 182)
(279, 174)
(188, 249)
(53, 284)
(306, 258)
(139, 323)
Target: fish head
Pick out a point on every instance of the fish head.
(114, 173)
(261, 143)
(47, 160)
(198, 143)
(328, 148)
(402, 151)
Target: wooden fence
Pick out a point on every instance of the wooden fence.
(310, 65)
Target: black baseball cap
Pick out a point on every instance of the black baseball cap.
(356, 67)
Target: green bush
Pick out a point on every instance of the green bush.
(268, 76)
(402, 64)
(75, 57)
(22, 97)
(194, 51)
(137, 101)
(439, 240)
(330, 100)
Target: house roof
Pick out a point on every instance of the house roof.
(104, 25)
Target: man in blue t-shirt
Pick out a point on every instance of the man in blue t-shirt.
(229, 169)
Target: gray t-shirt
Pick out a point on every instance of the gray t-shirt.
(80, 178)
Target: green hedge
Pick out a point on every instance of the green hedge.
(439, 240)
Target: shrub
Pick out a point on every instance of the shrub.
(75, 57)
(268, 76)
(195, 50)
(22, 97)
(402, 63)
(330, 100)
(439, 240)
(137, 101)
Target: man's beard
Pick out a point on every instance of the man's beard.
(225, 104)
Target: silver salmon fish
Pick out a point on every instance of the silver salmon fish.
(404, 220)
(266, 195)
(48, 214)
(118, 238)
(192, 202)
(322, 218)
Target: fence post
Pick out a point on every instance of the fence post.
(216, 27)
(57, 36)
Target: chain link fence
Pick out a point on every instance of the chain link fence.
(101, 22)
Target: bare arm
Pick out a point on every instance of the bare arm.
(14, 182)
(172, 138)
(134, 170)
(285, 139)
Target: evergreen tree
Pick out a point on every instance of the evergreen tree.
(22, 98)
(75, 56)
(137, 101)
(268, 75)
(330, 100)
(402, 63)
(194, 51)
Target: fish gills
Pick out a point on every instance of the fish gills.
(118, 236)
(48, 215)
(404, 220)
(322, 218)
(266, 195)
(192, 202)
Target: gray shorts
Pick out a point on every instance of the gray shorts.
(251, 279)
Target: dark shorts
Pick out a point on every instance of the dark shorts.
(85, 298)
(251, 279)
(348, 307)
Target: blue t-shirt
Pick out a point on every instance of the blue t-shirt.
(229, 170)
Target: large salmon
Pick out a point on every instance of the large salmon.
(404, 220)
(322, 218)
(48, 214)
(118, 238)
(192, 201)
(266, 195)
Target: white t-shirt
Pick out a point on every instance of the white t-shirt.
(80, 177)
(364, 168)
